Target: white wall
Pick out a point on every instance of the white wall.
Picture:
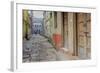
(5, 36)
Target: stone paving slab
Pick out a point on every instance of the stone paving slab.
(41, 50)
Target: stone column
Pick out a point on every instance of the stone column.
(70, 32)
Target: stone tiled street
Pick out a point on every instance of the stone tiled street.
(39, 49)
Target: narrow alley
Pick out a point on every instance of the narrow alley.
(56, 36)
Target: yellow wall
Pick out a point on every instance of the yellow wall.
(26, 22)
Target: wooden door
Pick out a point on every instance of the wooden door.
(65, 30)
